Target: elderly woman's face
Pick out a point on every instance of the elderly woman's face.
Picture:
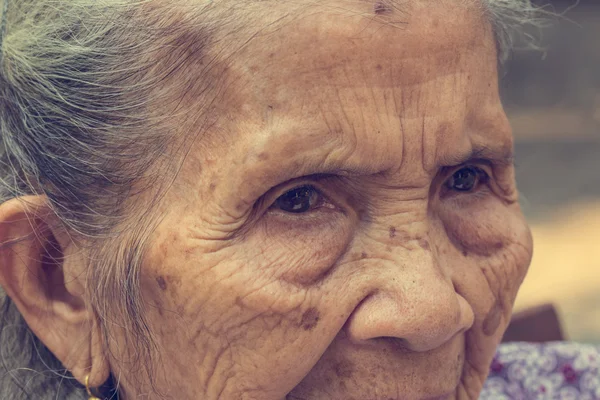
(349, 228)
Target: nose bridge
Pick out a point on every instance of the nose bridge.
(420, 287)
(411, 249)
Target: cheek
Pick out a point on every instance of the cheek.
(260, 294)
(492, 249)
(301, 253)
(486, 228)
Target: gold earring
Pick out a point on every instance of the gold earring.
(87, 389)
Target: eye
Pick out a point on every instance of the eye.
(466, 179)
(299, 200)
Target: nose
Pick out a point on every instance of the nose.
(412, 301)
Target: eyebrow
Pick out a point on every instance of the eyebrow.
(502, 156)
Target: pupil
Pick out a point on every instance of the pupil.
(464, 179)
(296, 200)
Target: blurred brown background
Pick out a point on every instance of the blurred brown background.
(553, 100)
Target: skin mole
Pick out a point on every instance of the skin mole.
(424, 244)
(162, 283)
(381, 8)
(392, 232)
(310, 319)
(241, 206)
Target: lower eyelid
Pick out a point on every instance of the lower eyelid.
(317, 219)
(462, 200)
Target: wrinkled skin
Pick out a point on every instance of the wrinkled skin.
(394, 285)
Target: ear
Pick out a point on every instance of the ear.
(41, 271)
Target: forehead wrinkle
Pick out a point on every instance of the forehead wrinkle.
(295, 154)
(271, 90)
(463, 142)
(324, 29)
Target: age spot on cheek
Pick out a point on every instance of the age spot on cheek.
(392, 232)
(162, 283)
(310, 319)
(424, 244)
(381, 8)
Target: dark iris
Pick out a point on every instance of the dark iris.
(464, 180)
(298, 200)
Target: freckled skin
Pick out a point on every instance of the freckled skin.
(396, 291)
(310, 319)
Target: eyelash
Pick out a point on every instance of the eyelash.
(321, 201)
(481, 175)
(326, 213)
(479, 191)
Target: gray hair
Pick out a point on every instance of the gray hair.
(78, 86)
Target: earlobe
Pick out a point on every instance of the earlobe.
(41, 278)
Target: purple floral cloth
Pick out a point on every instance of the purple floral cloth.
(548, 371)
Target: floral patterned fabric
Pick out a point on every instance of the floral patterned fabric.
(548, 371)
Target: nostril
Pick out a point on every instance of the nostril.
(397, 344)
